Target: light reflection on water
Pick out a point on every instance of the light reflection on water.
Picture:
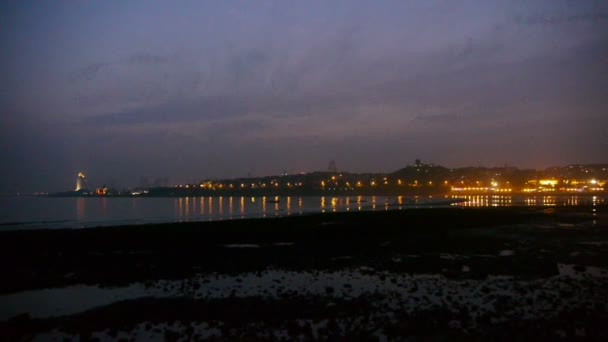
(507, 201)
(40, 212)
(221, 207)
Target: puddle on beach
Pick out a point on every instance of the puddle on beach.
(64, 301)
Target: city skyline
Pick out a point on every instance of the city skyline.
(424, 177)
(223, 89)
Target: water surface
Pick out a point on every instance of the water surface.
(51, 212)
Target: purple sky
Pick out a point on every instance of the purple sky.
(124, 89)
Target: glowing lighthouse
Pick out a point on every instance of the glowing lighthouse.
(80, 181)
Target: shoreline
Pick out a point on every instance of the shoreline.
(366, 210)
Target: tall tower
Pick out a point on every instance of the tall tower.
(332, 167)
(81, 181)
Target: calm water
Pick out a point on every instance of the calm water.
(42, 212)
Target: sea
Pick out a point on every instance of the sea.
(29, 212)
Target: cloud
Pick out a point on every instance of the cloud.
(203, 109)
(89, 72)
(474, 89)
(148, 58)
(439, 118)
(550, 19)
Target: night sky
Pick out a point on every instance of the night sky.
(125, 89)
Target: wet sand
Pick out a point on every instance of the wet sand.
(439, 273)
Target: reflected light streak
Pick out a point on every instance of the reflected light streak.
(230, 206)
(180, 205)
(187, 208)
(242, 206)
(80, 208)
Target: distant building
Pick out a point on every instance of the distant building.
(103, 191)
(418, 163)
(81, 182)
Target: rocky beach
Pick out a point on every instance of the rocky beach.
(500, 273)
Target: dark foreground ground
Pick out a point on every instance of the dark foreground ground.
(500, 273)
